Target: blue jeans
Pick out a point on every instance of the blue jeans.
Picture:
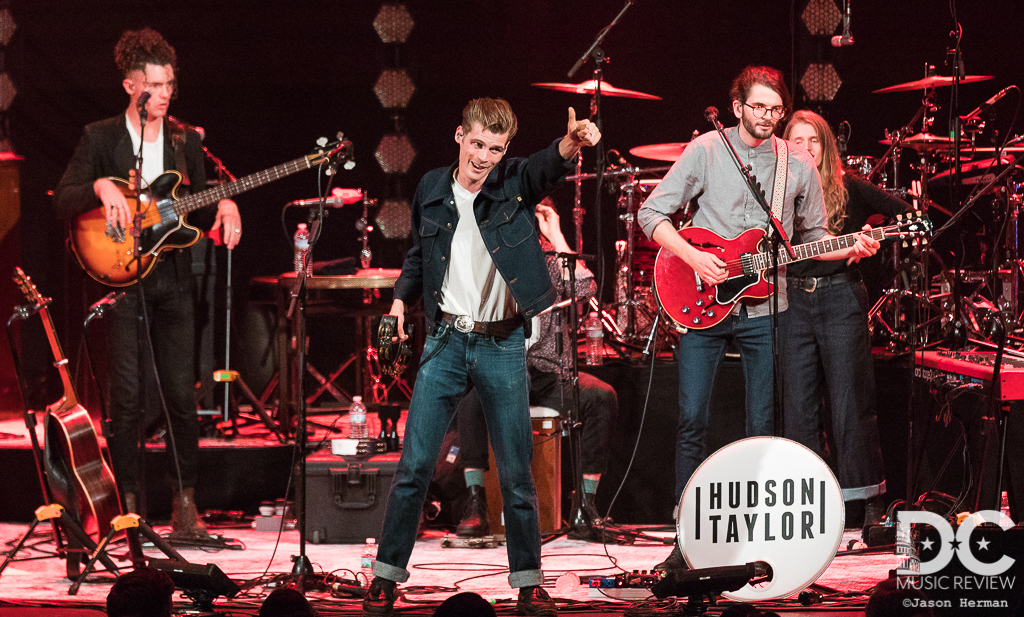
(700, 353)
(826, 347)
(498, 371)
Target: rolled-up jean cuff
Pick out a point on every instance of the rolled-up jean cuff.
(524, 578)
(863, 492)
(390, 572)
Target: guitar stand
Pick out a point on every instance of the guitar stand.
(58, 516)
(130, 524)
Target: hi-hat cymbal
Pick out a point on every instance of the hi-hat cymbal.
(588, 87)
(923, 142)
(659, 152)
(934, 81)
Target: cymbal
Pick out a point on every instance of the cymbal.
(934, 81)
(923, 142)
(588, 87)
(659, 152)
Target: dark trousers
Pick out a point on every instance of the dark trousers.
(598, 408)
(826, 352)
(170, 315)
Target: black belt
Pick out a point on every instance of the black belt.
(497, 329)
(810, 283)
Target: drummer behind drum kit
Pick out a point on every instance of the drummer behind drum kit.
(922, 291)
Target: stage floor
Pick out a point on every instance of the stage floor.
(36, 579)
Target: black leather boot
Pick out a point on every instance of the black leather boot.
(674, 561)
(475, 522)
(185, 520)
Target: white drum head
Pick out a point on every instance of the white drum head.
(763, 499)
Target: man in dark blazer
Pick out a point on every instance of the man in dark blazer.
(108, 149)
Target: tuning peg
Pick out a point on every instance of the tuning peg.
(321, 141)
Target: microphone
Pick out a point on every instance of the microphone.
(711, 113)
(339, 197)
(843, 137)
(619, 159)
(846, 40)
(989, 103)
(143, 99)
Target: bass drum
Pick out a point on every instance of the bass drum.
(763, 499)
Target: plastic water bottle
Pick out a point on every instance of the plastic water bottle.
(369, 555)
(595, 340)
(357, 419)
(302, 250)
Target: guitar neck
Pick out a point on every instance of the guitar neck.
(70, 399)
(211, 196)
(810, 250)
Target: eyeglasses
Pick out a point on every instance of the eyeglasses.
(761, 110)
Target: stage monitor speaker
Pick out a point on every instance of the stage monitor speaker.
(200, 582)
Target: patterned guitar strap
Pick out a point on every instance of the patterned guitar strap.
(781, 174)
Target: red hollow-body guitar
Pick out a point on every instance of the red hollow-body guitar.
(692, 303)
(79, 478)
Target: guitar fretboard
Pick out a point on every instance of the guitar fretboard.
(762, 261)
(210, 196)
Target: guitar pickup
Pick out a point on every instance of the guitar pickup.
(747, 263)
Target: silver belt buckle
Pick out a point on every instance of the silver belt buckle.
(814, 284)
(464, 324)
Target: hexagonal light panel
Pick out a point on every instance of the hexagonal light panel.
(395, 154)
(393, 23)
(821, 17)
(394, 88)
(7, 91)
(394, 219)
(7, 26)
(820, 82)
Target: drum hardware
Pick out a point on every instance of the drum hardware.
(660, 152)
(591, 87)
(932, 81)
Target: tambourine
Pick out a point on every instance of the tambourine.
(392, 356)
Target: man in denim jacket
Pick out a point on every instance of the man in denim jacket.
(477, 262)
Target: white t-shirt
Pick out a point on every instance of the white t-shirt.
(152, 153)
(472, 285)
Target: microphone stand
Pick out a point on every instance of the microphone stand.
(597, 54)
(778, 239)
(297, 310)
(140, 316)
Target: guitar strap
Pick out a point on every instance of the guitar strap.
(781, 174)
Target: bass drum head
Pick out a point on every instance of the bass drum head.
(763, 499)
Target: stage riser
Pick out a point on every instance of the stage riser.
(229, 479)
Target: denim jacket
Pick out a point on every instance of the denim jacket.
(505, 214)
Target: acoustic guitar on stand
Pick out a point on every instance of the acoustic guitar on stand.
(108, 253)
(76, 472)
(693, 303)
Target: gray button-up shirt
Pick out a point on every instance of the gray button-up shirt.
(706, 172)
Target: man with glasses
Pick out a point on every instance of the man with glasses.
(108, 148)
(706, 173)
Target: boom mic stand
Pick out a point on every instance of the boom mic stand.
(297, 310)
(597, 54)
